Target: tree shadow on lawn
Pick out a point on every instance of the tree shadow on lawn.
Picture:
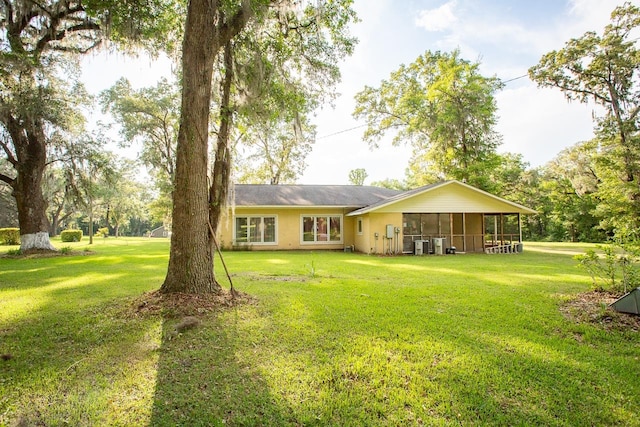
(201, 381)
(70, 365)
(114, 364)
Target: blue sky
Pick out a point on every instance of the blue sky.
(507, 37)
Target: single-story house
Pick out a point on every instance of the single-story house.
(161, 231)
(432, 219)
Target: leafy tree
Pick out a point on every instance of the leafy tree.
(36, 105)
(120, 193)
(91, 180)
(444, 108)
(505, 177)
(61, 204)
(571, 183)
(159, 209)
(604, 68)
(285, 69)
(393, 184)
(8, 209)
(275, 151)
(357, 176)
(527, 191)
(150, 116)
(209, 28)
(210, 34)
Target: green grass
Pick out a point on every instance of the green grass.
(331, 339)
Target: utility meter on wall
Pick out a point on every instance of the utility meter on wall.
(389, 234)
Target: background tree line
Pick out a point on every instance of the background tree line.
(445, 110)
(587, 193)
(250, 75)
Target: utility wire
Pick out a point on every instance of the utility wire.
(515, 78)
(361, 126)
(341, 131)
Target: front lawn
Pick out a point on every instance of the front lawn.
(328, 339)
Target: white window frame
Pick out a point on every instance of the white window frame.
(261, 243)
(359, 226)
(315, 217)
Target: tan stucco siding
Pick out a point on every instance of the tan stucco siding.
(377, 223)
(289, 228)
(361, 240)
(453, 199)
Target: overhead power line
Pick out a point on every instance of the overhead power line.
(515, 78)
(341, 131)
(361, 126)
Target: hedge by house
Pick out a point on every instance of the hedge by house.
(71, 235)
(9, 236)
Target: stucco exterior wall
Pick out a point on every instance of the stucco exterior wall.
(288, 229)
(362, 239)
(377, 223)
(452, 198)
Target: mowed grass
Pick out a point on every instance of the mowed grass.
(330, 339)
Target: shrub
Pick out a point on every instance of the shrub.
(616, 269)
(102, 232)
(66, 250)
(71, 235)
(9, 236)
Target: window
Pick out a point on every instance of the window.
(322, 229)
(255, 229)
(359, 226)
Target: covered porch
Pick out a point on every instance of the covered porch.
(466, 232)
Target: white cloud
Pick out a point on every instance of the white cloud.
(438, 19)
(592, 14)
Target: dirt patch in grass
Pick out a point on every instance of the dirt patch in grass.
(593, 308)
(271, 277)
(180, 304)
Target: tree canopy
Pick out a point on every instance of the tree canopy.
(211, 31)
(150, 116)
(443, 107)
(37, 107)
(605, 69)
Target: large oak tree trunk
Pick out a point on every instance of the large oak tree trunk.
(191, 259)
(34, 226)
(31, 156)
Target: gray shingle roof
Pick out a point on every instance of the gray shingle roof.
(354, 196)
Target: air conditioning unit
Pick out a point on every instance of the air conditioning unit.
(438, 245)
(418, 247)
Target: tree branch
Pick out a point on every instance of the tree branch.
(60, 35)
(10, 157)
(7, 179)
(227, 30)
(9, 8)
